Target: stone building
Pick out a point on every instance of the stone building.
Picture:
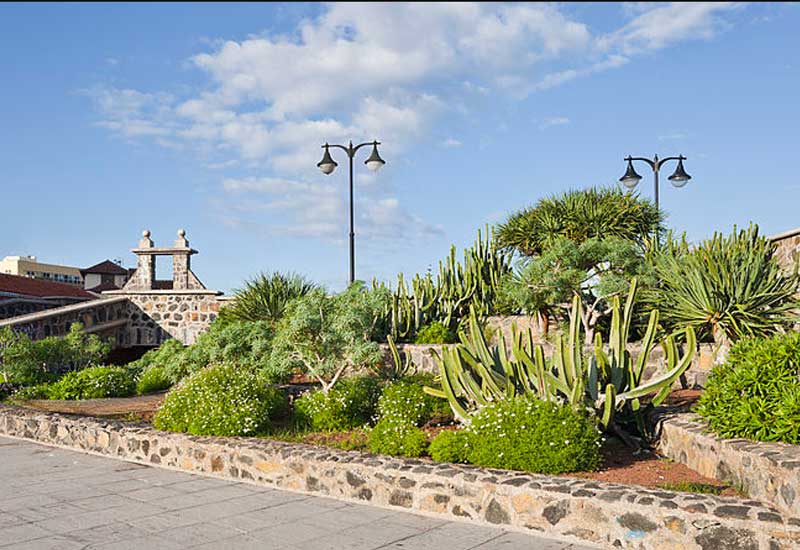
(105, 276)
(145, 311)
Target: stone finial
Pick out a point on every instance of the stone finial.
(181, 241)
(145, 241)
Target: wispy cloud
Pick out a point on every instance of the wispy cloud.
(551, 121)
(451, 142)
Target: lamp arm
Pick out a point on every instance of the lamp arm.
(360, 145)
(351, 152)
(662, 161)
(648, 161)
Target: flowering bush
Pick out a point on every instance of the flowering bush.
(93, 383)
(398, 438)
(152, 380)
(223, 399)
(405, 400)
(450, 446)
(350, 404)
(533, 436)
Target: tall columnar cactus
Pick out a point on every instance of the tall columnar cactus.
(606, 380)
(456, 287)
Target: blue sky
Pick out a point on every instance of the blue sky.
(210, 117)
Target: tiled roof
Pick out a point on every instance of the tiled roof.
(26, 286)
(105, 267)
(103, 286)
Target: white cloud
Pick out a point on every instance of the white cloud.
(664, 24)
(382, 71)
(551, 121)
(674, 136)
(318, 209)
(451, 142)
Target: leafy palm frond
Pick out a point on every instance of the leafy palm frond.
(264, 298)
(579, 215)
(728, 286)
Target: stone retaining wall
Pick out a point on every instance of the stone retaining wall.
(608, 515)
(767, 471)
(695, 376)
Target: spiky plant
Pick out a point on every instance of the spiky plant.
(730, 287)
(264, 298)
(579, 215)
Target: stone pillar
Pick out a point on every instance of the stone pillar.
(146, 265)
(181, 262)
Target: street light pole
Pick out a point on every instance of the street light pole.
(327, 165)
(679, 178)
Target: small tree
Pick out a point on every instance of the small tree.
(594, 270)
(325, 335)
(579, 216)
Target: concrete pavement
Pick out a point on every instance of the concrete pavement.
(58, 499)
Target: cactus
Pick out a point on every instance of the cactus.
(474, 374)
(457, 287)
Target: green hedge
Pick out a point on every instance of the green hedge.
(756, 393)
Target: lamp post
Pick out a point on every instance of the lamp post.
(327, 165)
(679, 178)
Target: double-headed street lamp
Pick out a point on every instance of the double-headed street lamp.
(327, 165)
(679, 178)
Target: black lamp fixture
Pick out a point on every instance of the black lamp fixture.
(679, 178)
(327, 165)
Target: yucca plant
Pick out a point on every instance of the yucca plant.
(474, 374)
(729, 287)
(264, 298)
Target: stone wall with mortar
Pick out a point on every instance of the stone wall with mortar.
(695, 376)
(578, 510)
(787, 248)
(157, 316)
(105, 317)
(767, 471)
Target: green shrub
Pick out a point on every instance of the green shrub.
(756, 393)
(245, 343)
(27, 362)
(152, 380)
(349, 404)
(435, 333)
(404, 399)
(93, 383)
(397, 438)
(450, 446)
(533, 436)
(326, 335)
(222, 399)
(39, 391)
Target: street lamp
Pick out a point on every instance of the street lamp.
(679, 178)
(327, 165)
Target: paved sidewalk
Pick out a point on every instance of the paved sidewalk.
(56, 499)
